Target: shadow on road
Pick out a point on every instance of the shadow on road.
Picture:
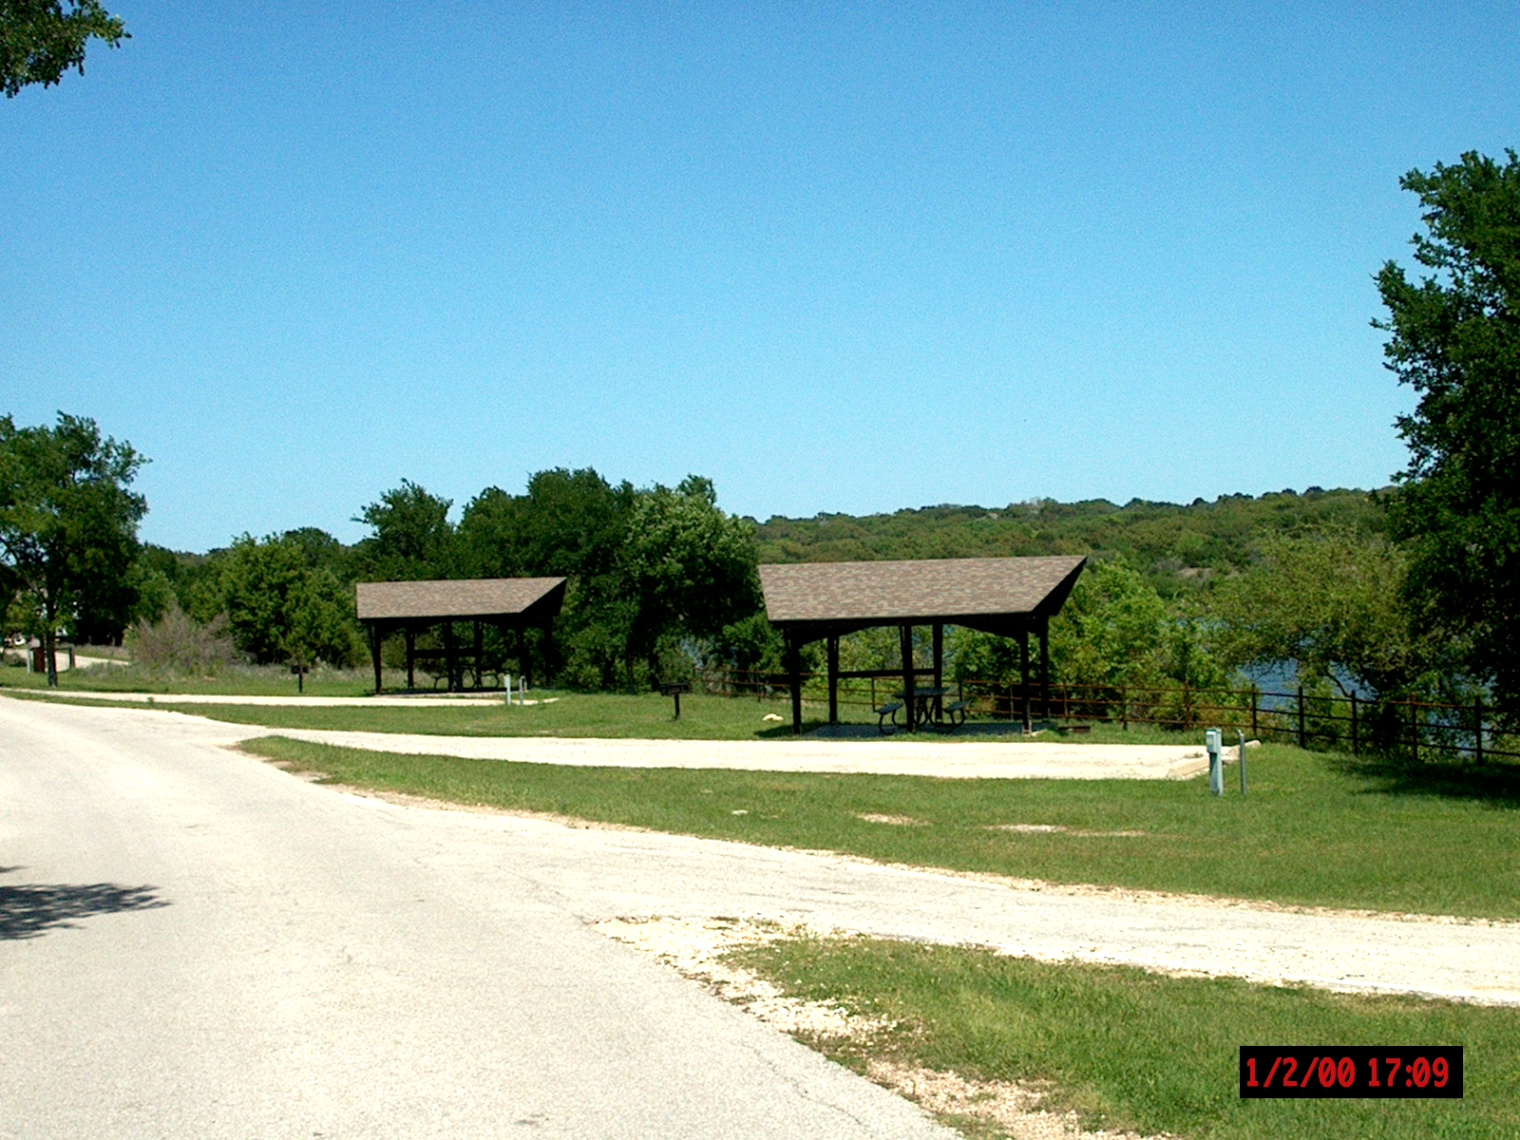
(28, 911)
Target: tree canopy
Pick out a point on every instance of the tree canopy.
(283, 605)
(68, 526)
(1331, 603)
(413, 538)
(1455, 339)
(42, 39)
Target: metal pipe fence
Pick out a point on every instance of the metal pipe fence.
(1411, 728)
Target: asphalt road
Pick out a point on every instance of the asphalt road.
(195, 944)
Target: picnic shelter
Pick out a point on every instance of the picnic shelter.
(1009, 597)
(414, 607)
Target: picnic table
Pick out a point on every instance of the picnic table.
(929, 707)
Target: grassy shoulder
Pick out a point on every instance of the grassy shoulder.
(1315, 830)
(1131, 1049)
(250, 680)
(566, 714)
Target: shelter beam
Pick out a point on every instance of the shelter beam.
(1045, 669)
(833, 645)
(794, 680)
(905, 636)
(1024, 678)
(375, 638)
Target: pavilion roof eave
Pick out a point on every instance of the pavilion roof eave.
(498, 600)
(1002, 625)
(1036, 587)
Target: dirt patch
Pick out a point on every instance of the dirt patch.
(695, 948)
(1012, 1107)
(894, 820)
(1062, 829)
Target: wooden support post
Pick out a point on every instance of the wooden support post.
(939, 666)
(411, 657)
(1303, 741)
(905, 640)
(374, 652)
(794, 678)
(1045, 669)
(480, 646)
(833, 647)
(450, 662)
(1254, 703)
(1355, 733)
(1024, 678)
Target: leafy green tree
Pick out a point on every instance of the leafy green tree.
(281, 608)
(68, 524)
(688, 568)
(1115, 630)
(1455, 339)
(1332, 603)
(41, 39)
(413, 538)
(571, 524)
(751, 643)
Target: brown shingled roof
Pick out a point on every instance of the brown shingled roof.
(927, 590)
(461, 598)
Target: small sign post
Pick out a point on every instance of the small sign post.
(675, 690)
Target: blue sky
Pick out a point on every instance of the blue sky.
(836, 257)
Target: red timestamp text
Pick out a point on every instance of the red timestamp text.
(1316, 1071)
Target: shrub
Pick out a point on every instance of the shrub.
(177, 641)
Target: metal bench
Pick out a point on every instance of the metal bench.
(885, 712)
(955, 714)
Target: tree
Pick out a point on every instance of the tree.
(413, 537)
(1115, 630)
(41, 39)
(282, 608)
(1332, 603)
(570, 524)
(1455, 339)
(68, 522)
(688, 568)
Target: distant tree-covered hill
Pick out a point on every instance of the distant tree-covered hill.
(1177, 547)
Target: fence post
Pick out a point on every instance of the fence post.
(1124, 707)
(1414, 730)
(1354, 740)
(1302, 741)
(1478, 729)
(1254, 730)
(1187, 712)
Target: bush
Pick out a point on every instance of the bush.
(177, 641)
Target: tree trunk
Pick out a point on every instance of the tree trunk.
(50, 642)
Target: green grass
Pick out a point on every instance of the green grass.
(607, 715)
(1315, 830)
(1139, 1050)
(237, 680)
